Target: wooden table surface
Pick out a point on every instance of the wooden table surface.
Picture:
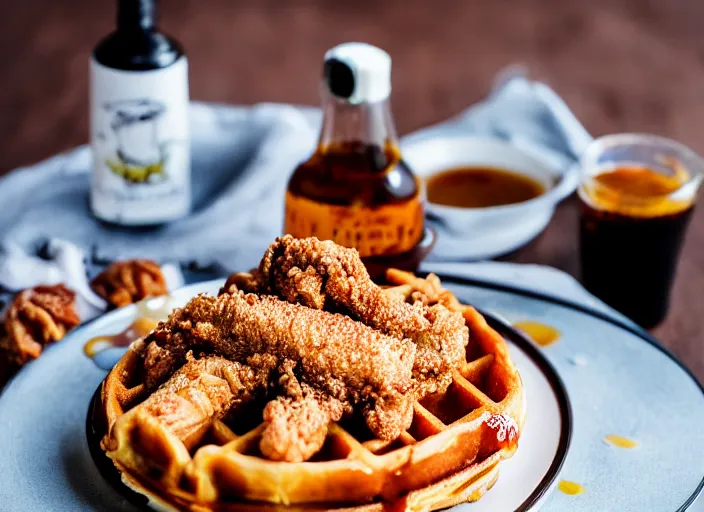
(621, 65)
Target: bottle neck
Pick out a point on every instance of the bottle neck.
(136, 15)
(368, 123)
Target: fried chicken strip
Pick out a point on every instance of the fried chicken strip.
(184, 407)
(201, 391)
(321, 274)
(206, 389)
(346, 360)
(297, 421)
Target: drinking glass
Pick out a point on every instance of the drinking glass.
(637, 195)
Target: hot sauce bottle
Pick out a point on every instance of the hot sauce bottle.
(355, 189)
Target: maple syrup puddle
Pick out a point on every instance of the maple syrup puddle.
(542, 334)
(150, 312)
(619, 441)
(137, 329)
(571, 488)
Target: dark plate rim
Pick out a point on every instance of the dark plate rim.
(478, 283)
(634, 330)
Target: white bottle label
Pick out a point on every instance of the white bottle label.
(140, 142)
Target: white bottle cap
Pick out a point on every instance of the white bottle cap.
(358, 72)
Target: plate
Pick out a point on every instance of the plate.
(47, 457)
(620, 381)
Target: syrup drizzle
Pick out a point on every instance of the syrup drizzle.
(542, 334)
(156, 308)
(571, 488)
(620, 441)
(397, 505)
(137, 329)
(505, 429)
(150, 312)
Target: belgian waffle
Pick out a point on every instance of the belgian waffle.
(449, 455)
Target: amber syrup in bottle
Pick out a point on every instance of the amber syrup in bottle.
(355, 189)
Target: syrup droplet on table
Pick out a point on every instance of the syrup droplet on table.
(542, 334)
(620, 441)
(505, 428)
(137, 329)
(571, 488)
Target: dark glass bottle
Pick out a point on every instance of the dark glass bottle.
(136, 44)
(139, 122)
(355, 189)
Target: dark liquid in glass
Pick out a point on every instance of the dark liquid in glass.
(629, 261)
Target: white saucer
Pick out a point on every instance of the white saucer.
(480, 233)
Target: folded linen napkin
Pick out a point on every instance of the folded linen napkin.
(241, 161)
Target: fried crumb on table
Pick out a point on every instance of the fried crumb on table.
(126, 282)
(36, 317)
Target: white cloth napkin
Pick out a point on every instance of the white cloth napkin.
(242, 157)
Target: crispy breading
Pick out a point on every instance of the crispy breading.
(375, 360)
(199, 392)
(323, 274)
(297, 420)
(347, 360)
(36, 317)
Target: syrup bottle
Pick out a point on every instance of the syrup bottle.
(139, 122)
(355, 189)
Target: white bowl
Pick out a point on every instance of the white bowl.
(479, 233)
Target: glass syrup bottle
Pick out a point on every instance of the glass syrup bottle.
(139, 122)
(355, 189)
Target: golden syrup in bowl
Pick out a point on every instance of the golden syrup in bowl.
(481, 187)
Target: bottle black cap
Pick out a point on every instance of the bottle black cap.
(136, 14)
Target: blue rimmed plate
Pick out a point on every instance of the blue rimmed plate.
(619, 382)
(47, 457)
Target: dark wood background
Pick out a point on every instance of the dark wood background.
(622, 65)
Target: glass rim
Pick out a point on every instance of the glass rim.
(692, 161)
(619, 139)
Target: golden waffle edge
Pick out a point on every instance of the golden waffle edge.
(449, 455)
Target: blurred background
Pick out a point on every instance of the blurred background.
(621, 65)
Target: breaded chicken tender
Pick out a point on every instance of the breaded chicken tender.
(315, 338)
(322, 274)
(347, 360)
